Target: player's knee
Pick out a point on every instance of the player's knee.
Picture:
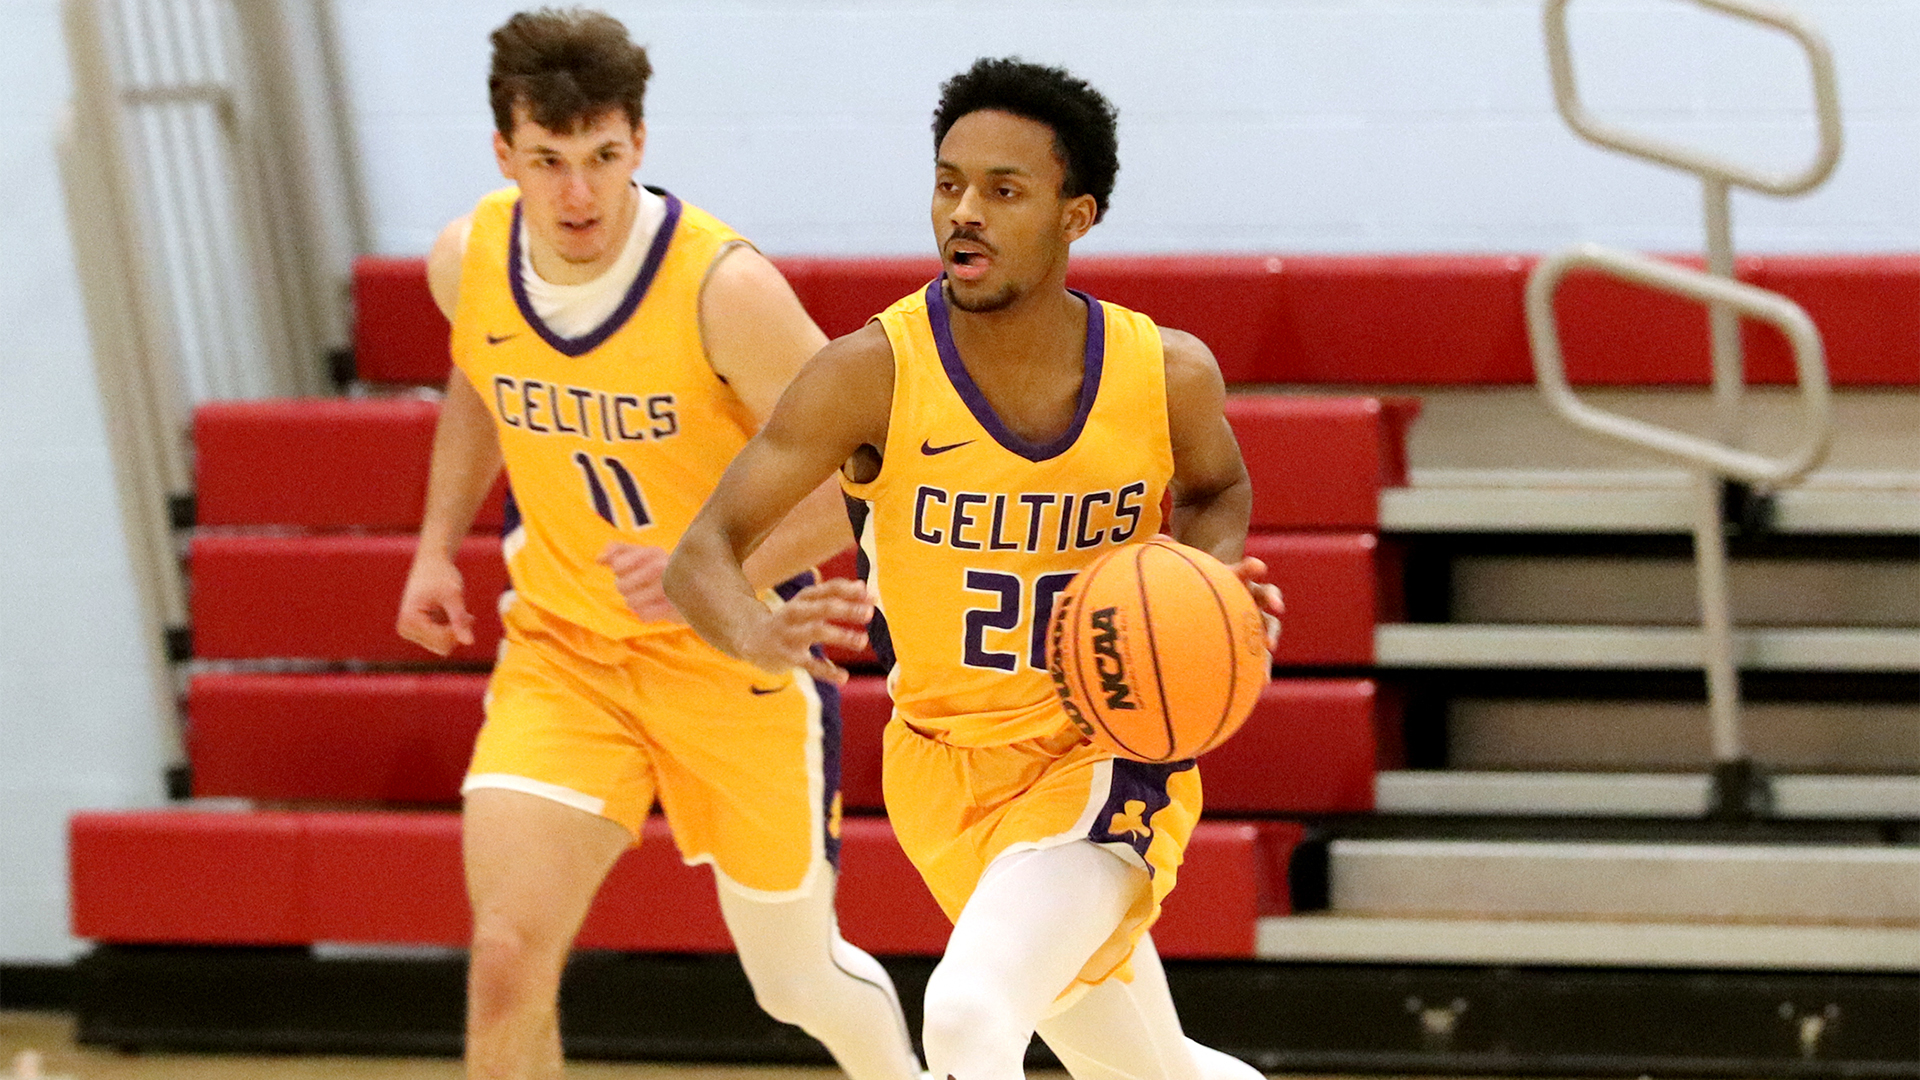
(960, 1012)
(788, 993)
(509, 961)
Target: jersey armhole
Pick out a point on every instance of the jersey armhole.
(700, 300)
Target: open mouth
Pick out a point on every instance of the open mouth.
(968, 263)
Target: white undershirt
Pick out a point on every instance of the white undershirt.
(574, 311)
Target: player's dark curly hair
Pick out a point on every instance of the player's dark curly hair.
(568, 66)
(1082, 119)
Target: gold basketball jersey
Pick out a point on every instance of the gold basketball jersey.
(617, 435)
(969, 531)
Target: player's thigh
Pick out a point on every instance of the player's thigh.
(533, 865)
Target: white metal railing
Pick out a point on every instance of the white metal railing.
(215, 212)
(1719, 459)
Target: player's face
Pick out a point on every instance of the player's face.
(998, 213)
(576, 189)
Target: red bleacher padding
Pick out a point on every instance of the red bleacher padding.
(1320, 462)
(1227, 301)
(1332, 320)
(318, 463)
(864, 711)
(325, 597)
(399, 335)
(1336, 586)
(842, 294)
(1866, 306)
(167, 876)
(1312, 746)
(1398, 319)
(385, 738)
(285, 878)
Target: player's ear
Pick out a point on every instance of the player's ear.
(639, 142)
(1076, 216)
(503, 155)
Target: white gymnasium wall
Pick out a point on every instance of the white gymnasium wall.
(1289, 125)
(76, 728)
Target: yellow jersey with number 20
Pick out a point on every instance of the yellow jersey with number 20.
(969, 531)
(617, 435)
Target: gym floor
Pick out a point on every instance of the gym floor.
(50, 1035)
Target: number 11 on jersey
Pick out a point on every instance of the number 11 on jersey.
(623, 479)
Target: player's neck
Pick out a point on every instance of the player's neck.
(1046, 328)
(556, 269)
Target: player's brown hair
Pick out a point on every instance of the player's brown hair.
(568, 66)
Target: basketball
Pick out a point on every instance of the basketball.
(1158, 651)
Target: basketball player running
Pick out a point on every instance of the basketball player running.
(994, 433)
(615, 347)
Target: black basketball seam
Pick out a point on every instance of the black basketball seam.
(1153, 649)
(1233, 660)
(1094, 715)
(1079, 670)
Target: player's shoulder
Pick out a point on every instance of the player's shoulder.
(740, 273)
(866, 353)
(1186, 352)
(1190, 366)
(444, 260)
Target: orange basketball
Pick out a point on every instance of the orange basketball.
(1158, 651)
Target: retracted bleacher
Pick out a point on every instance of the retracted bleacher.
(1434, 823)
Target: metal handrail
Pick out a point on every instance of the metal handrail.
(1826, 99)
(1809, 359)
(1719, 459)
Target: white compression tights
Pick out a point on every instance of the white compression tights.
(804, 974)
(1033, 921)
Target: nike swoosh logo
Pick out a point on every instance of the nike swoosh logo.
(761, 691)
(495, 339)
(929, 449)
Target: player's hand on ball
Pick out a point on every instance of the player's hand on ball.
(833, 612)
(433, 607)
(1266, 596)
(637, 571)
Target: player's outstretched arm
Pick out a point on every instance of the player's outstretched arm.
(466, 459)
(1212, 493)
(837, 404)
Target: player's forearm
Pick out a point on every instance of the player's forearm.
(1216, 522)
(466, 460)
(705, 580)
(813, 532)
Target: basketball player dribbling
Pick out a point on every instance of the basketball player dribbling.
(614, 348)
(994, 433)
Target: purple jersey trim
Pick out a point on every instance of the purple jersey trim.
(963, 383)
(580, 346)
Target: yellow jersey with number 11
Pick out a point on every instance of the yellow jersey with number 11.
(969, 531)
(617, 435)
